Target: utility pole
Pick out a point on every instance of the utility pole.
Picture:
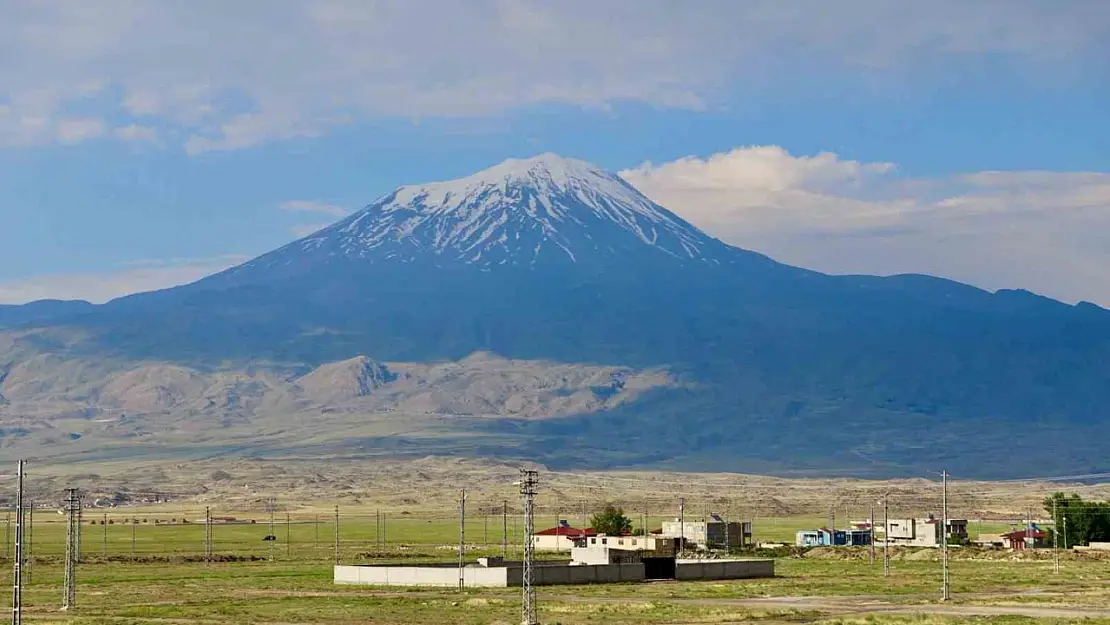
(1055, 539)
(1030, 542)
(1065, 530)
(288, 538)
(681, 524)
(80, 529)
(886, 535)
(485, 527)
(69, 588)
(462, 537)
(271, 537)
(30, 550)
(944, 596)
(104, 522)
(134, 524)
(17, 572)
(378, 529)
(8, 536)
(337, 533)
(504, 529)
(207, 534)
(316, 539)
(529, 481)
(871, 522)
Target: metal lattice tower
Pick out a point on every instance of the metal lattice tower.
(529, 480)
(73, 528)
(17, 572)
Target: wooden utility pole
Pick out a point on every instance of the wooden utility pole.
(504, 529)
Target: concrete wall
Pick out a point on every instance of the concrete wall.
(724, 569)
(439, 576)
(447, 576)
(585, 574)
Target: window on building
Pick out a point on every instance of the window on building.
(605, 541)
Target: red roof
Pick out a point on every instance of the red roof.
(1023, 534)
(569, 532)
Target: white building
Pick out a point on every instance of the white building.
(710, 534)
(922, 532)
(559, 538)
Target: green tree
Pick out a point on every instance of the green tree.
(611, 521)
(1079, 522)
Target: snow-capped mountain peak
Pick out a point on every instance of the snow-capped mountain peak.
(521, 212)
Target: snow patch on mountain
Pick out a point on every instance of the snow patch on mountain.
(520, 212)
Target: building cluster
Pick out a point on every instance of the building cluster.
(683, 535)
(919, 532)
(595, 558)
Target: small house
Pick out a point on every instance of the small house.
(1028, 538)
(559, 538)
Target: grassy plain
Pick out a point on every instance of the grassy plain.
(164, 582)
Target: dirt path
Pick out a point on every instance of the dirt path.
(861, 605)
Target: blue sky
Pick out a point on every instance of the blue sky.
(143, 144)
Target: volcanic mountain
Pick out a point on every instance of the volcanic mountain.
(555, 259)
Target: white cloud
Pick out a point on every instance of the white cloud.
(1044, 231)
(307, 229)
(134, 133)
(313, 206)
(78, 130)
(230, 76)
(134, 277)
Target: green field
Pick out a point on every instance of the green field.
(166, 581)
(311, 536)
(302, 592)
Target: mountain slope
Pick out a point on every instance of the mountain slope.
(554, 259)
(539, 212)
